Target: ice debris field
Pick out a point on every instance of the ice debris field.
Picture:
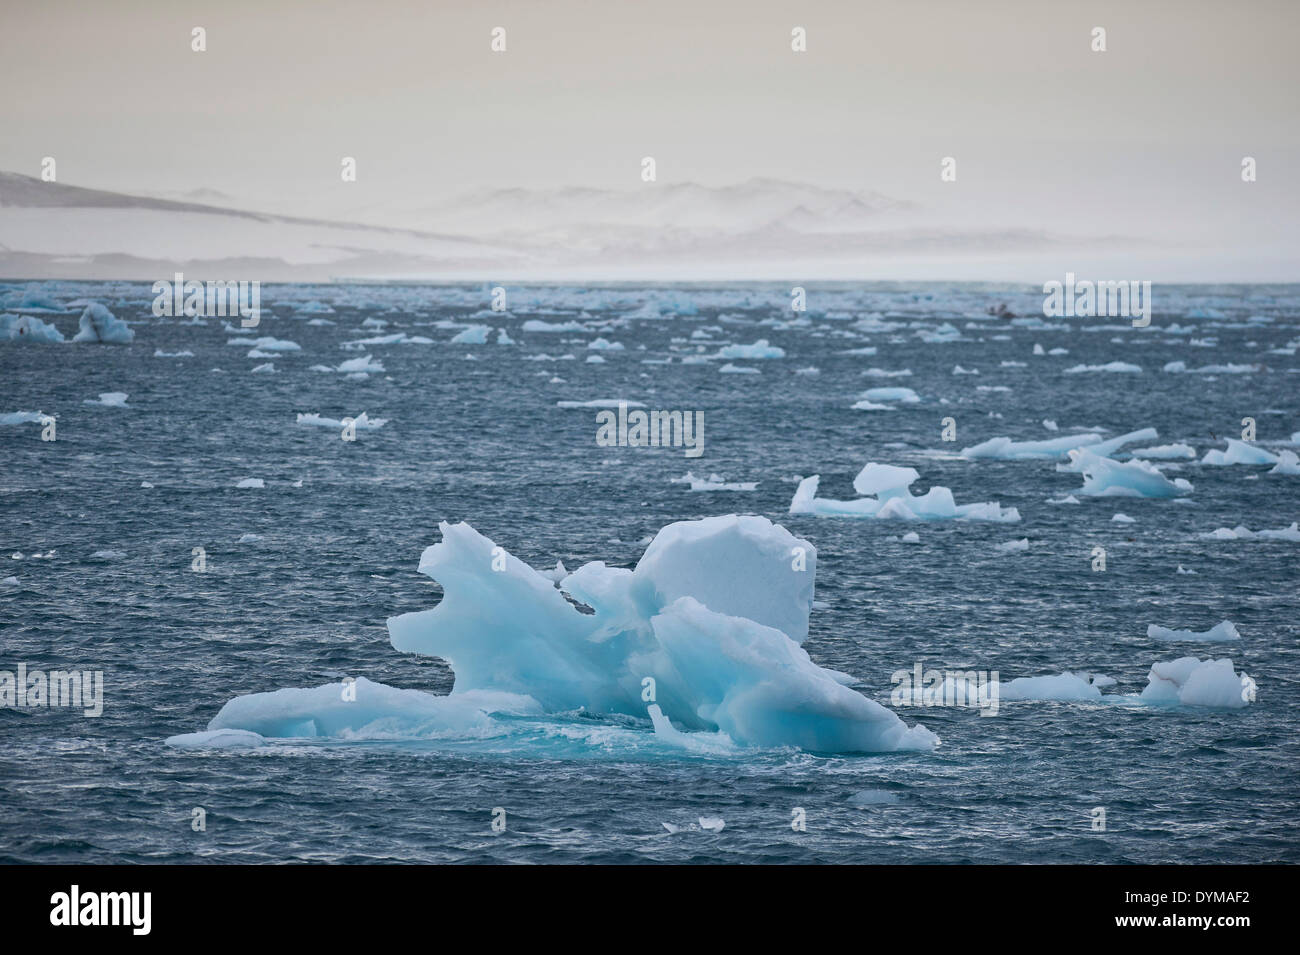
(1094, 518)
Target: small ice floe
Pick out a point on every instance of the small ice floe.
(1193, 682)
(959, 370)
(1050, 425)
(1120, 518)
(730, 369)
(159, 353)
(28, 328)
(145, 484)
(1068, 499)
(1120, 367)
(24, 417)
(266, 344)
(712, 823)
(363, 366)
(1103, 477)
(10, 581)
(503, 337)
(266, 369)
(897, 395)
(251, 482)
(892, 498)
(99, 325)
(249, 539)
(600, 403)
(472, 335)
(1184, 570)
(1011, 547)
(601, 344)
(217, 739)
(810, 370)
(1238, 452)
(362, 422)
(713, 482)
(108, 555)
(1166, 452)
(109, 399)
(1240, 532)
(758, 350)
(1221, 631)
(595, 360)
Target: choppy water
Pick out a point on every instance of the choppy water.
(474, 434)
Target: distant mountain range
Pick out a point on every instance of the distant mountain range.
(761, 228)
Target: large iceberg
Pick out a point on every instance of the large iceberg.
(701, 640)
(892, 497)
(98, 324)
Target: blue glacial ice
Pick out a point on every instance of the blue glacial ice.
(98, 324)
(1103, 477)
(699, 642)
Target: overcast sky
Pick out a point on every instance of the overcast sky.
(1144, 139)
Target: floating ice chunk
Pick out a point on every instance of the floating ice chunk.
(601, 344)
(597, 360)
(1238, 452)
(884, 373)
(267, 369)
(1068, 499)
(537, 325)
(249, 539)
(959, 370)
(266, 344)
(730, 369)
(361, 366)
(746, 676)
(159, 353)
(1240, 532)
(1103, 477)
(98, 324)
(1194, 682)
(22, 417)
(473, 335)
(362, 422)
(28, 328)
(600, 403)
(1059, 351)
(870, 406)
(1288, 463)
(1166, 452)
(894, 500)
(10, 582)
(109, 399)
(1063, 687)
(760, 349)
(1014, 546)
(1114, 366)
(1050, 425)
(1104, 449)
(911, 537)
(1004, 449)
(1229, 369)
(251, 483)
(503, 337)
(904, 395)
(217, 739)
(714, 482)
(1221, 631)
(1122, 519)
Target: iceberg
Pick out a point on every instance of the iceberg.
(1222, 631)
(710, 618)
(28, 328)
(1238, 452)
(1104, 449)
(98, 324)
(1288, 463)
(1103, 477)
(760, 349)
(893, 499)
(1063, 687)
(361, 422)
(472, 335)
(1193, 682)
(109, 399)
(1004, 449)
(1114, 366)
(1241, 532)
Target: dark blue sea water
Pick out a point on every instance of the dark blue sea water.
(474, 433)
